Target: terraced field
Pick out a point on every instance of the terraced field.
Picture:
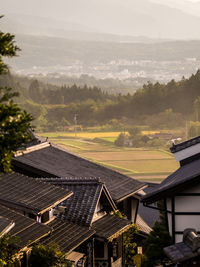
(143, 164)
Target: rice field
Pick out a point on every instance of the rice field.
(143, 164)
(82, 134)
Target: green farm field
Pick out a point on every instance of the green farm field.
(144, 164)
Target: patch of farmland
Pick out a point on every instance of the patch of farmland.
(86, 135)
(148, 166)
(139, 163)
(128, 155)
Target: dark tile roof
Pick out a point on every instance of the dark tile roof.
(80, 207)
(56, 162)
(180, 252)
(184, 176)
(32, 234)
(186, 144)
(67, 235)
(22, 192)
(188, 249)
(26, 229)
(110, 226)
(5, 224)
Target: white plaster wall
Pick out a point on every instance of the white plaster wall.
(169, 204)
(187, 221)
(178, 238)
(169, 216)
(187, 203)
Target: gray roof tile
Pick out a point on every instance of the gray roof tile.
(67, 235)
(24, 192)
(111, 226)
(179, 252)
(80, 207)
(56, 162)
(26, 229)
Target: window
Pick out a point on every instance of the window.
(45, 217)
(98, 249)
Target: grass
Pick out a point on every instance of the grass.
(141, 163)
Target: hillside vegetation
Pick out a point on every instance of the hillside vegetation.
(155, 105)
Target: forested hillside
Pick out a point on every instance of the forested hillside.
(156, 105)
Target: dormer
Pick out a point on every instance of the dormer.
(105, 205)
(90, 200)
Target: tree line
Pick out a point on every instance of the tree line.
(155, 104)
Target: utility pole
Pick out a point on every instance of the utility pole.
(75, 123)
(186, 130)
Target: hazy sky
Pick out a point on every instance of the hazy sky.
(54, 8)
(124, 17)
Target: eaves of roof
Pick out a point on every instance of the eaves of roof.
(161, 193)
(53, 161)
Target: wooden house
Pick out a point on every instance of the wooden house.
(115, 191)
(180, 192)
(29, 209)
(27, 230)
(92, 207)
(48, 160)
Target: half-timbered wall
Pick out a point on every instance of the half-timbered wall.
(183, 212)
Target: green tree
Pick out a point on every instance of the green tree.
(120, 140)
(34, 91)
(14, 122)
(8, 248)
(48, 256)
(157, 240)
(130, 245)
(197, 108)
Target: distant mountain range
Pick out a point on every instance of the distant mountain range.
(89, 37)
(106, 19)
(47, 51)
(186, 6)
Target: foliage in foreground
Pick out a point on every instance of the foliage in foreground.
(14, 122)
(8, 248)
(157, 240)
(130, 245)
(48, 256)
